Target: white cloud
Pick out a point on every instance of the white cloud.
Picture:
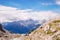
(10, 14)
(58, 2)
(46, 4)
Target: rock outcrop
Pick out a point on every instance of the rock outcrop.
(1, 29)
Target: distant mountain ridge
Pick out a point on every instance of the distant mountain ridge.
(22, 26)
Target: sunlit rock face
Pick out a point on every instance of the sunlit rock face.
(47, 31)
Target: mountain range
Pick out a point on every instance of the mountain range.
(21, 26)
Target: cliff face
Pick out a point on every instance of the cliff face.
(47, 31)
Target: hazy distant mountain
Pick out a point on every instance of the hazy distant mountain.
(22, 26)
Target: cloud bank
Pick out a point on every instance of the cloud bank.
(58, 2)
(11, 14)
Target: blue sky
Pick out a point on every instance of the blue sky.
(31, 4)
(25, 9)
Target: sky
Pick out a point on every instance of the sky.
(11, 10)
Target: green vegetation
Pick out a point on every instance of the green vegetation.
(56, 21)
(50, 24)
(49, 32)
(57, 29)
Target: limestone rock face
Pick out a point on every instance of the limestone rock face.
(47, 31)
